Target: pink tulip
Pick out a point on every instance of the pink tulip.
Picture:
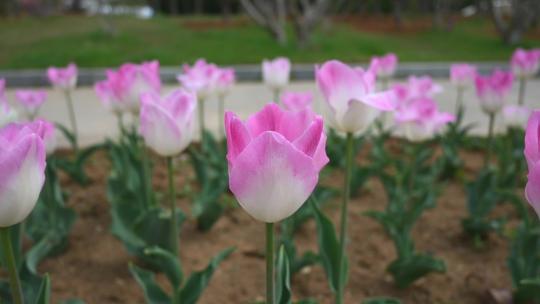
(515, 116)
(31, 100)
(462, 75)
(46, 131)
(274, 160)
(384, 66)
(421, 119)
(122, 89)
(493, 90)
(22, 159)
(167, 123)
(297, 101)
(532, 154)
(525, 63)
(351, 103)
(224, 81)
(276, 72)
(200, 78)
(63, 78)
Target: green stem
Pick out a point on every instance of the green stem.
(490, 138)
(221, 114)
(343, 227)
(201, 120)
(459, 102)
(521, 96)
(120, 124)
(277, 94)
(270, 263)
(172, 197)
(72, 119)
(14, 282)
(147, 175)
(384, 83)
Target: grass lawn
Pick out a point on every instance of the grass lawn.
(41, 42)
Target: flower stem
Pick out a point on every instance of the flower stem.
(521, 96)
(277, 94)
(72, 119)
(221, 114)
(270, 263)
(120, 122)
(201, 121)
(172, 197)
(459, 102)
(343, 227)
(14, 282)
(490, 138)
(147, 175)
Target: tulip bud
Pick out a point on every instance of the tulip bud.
(31, 101)
(22, 159)
(297, 101)
(493, 90)
(525, 63)
(276, 72)
(515, 116)
(532, 155)
(462, 75)
(351, 104)
(122, 89)
(200, 78)
(166, 124)
(63, 78)
(274, 160)
(384, 66)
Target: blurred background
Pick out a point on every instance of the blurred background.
(102, 33)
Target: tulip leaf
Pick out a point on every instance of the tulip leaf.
(44, 293)
(407, 270)
(283, 280)
(198, 281)
(168, 263)
(152, 291)
(329, 249)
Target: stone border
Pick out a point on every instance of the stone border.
(300, 72)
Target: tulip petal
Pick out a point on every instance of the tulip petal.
(271, 178)
(532, 189)
(237, 136)
(383, 101)
(309, 141)
(358, 117)
(532, 143)
(21, 178)
(267, 119)
(158, 128)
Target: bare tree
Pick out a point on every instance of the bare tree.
(306, 15)
(173, 6)
(511, 22)
(270, 14)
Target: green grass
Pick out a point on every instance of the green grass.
(38, 43)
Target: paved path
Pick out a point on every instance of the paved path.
(96, 123)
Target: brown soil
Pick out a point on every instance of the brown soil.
(95, 266)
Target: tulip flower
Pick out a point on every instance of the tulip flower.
(351, 107)
(31, 101)
(200, 78)
(351, 104)
(525, 64)
(421, 120)
(7, 114)
(532, 155)
(274, 162)
(121, 90)
(462, 76)
(22, 159)
(384, 67)
(166, 124)
(492, 92)
(65, 79)
(276, 74)
(167, 128)
(297, 101)
(515, 116)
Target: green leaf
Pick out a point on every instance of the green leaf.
(283, 280)
(44, 293)
(198, 281)
(329, 249)
(168, 263)
(152, 291)
(407, 270)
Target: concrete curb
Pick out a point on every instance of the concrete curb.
(300, 72)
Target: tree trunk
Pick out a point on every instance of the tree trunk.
(398, 18)
(173, 7)
(199, 7)
(226, 10)
(76, 6)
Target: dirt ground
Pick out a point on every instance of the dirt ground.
(95, 266)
